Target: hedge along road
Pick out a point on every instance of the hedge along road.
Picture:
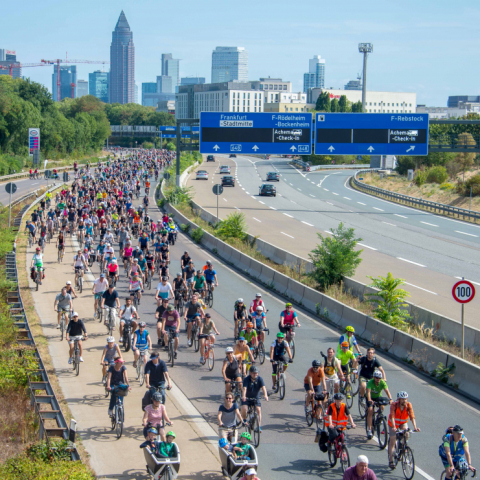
(394, 238)
(287, 444)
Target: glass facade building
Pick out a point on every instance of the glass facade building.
(315, 78)
(68, 75)
(170, 68)
(98, 85)
(229, 63)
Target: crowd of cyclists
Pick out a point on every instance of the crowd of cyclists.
(108, 215)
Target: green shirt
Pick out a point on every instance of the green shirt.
(248, 336)
(376, 390)
(166, 450)
(199, 282)
(344, 357)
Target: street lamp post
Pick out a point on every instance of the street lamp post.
(365, 48)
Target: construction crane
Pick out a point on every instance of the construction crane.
(11, 66)
(58, 61)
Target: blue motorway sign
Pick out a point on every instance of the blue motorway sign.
(250, 133)
(371, 134)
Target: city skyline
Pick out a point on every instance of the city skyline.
(410, 55)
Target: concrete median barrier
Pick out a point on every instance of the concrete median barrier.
(255, 269)
(353, 287)
(355, 319)
(312, 300)
(427, 356)
(295, 290)
(267, 249)
(466, 376)
(209, 241)
(281, 283)
(267, 276)
(402, 345)
(378, 333)
(245, 262)
(332, 310)
(225, 251)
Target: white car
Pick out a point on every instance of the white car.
(224, 169)
(202, 175)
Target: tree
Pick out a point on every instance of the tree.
(334, 106)
(465, 160)
(335, 257)
(323, 102)
(343, 104)
(357, 107)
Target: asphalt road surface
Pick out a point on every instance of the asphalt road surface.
(287, 443)
(430, 252)
(24, 186)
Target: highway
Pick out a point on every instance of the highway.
(24, 186)
(428, 251)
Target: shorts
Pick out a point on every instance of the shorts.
(178, 293)
(346, 369)
(98, 296)
(278, 359)
(253, 402)
(63, 309)
(210, 282)
(113, 274)
(316, 388)
(363, 380)
(192, 318)
(169, 328)
(120, 245)
(72, 339)
(78, 268)
(190, 280)
(163, 295)
(370, 404)
(233, 376)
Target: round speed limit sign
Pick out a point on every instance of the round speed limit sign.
(463, 291)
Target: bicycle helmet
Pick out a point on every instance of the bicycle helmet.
(110, 339)
(157, 397)
(38, 249)
(164, 279)
(338, 396)
(69, 282)
(288, 305)
(280, 335)
(316, 363)
(345, 344)
(350, 329)
(229, 350)
(142, 324)
(114, 261)
(249, 325)
(402, 395)
(462, 466)
(253, 369)
(207, 315)
(377, 374)
(153, 430)
(171, 434)
(259, 308)
(223, 442)
(179, 274)
(246, 435)
(457, 429)
(240, 300)
(74, 314)
(258, 295)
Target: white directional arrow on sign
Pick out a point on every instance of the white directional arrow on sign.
(216, 147)
(370, 149)
(411, 149)
(255, 148)
(292, 148)
(331, 148)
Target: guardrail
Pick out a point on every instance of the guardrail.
(52, 422)
(306, 166)
(440, 208)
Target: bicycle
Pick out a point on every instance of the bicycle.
(41, 243)
(281, 381)
(290, 339)
(135, 298)
(346, 389)
(110, 315)
(61, 253)
(236, 389)
(105, 378)
(339, 450)
(314, 410)
(209, 353)
(148, 281)
(362, 406)
(127, 335)
(404, 454)
(379, 422)
(252, 423)
(141, 366)
(63, 324)
(99, 310)
(79, 280)
(209, 296)
(118, 416)
(181, 304)
(171, 347)
(38, 276)
(76, 355)
(30, 240)
(459, 475)
(354, 377)
(258, 351)
(194, 333)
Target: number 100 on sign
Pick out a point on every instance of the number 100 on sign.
(463, 291)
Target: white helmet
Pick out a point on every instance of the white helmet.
(240, 300)
(110, 339)
(114, 261)
(377, 374)
(229, 350)
(402, 395)
(259, 308)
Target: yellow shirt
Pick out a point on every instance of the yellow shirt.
(244, 353)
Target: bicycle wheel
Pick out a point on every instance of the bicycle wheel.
(320, 416)
(292, 347)
(77, 363)
(180, 305)
(354, 383)
(255, 427)
(62, 328)
(210, 299)
(141, 375)
(332, 457)
(281, 386)
(261, 353)
(58, 257)
(344, 458)
(104, 382)
(37, 282)
(211, 358)
(196, 340)
(408, 463)
(127, 342)
(99, 312)
(382, 433)
(172, 353)
(113, 419)
(80, 284)
(362, 406)
(135, 301)
(348, 395)
(119, 426)
(309, 414)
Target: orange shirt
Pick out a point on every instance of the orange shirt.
(316, 377)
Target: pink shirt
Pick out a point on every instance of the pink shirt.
(155, 417)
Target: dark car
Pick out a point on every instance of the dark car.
(233, 155)
(273, 176)
(210, 158)
(267, 190)
(228, 180)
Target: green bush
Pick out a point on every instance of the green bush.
(234, 226)
(197, 235)
(177, 195)
(447, 186)
(335, 257)
(437, 174)
(474, 184)
(404, 164)
(185, 228)
(420, 177)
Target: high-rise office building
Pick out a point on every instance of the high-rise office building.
(192, 80)
(354, 84)
(229, 63)
(136, 93)
(7, 58)
(98, 85)
(82, 88)
(170, 68)
(159, 91)
(315, 78)
(68, 82)
(122, 63)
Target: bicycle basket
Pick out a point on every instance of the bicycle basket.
(121, 390)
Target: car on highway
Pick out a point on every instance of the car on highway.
(273, 177)
(228, 180)
(233, 155)
(225, 169)
(202, 175)
(210, 158)
(267, 190)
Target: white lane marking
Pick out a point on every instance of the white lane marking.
(335, 193)
(253, 196)
(366, 246)
(375, 208)
(469, 234)
(242, 188)
(263, 203)
(312, 195)
(273, 208)
(287, 234)
(326, 189)
(409, 261)
(346, 198)
(35, 183)
(431, 224)
(330, 203)
(257, 219)
(476, 283)
(330, 233)
(291, 184)
(248, 193)
(361, 203)
(225, 199)
(312, 182)
(391, 224)
(236, 208)
(299, 189)
(280, 195)
(306, 223)
(293, 202)
(424, 289)
(402, 216)
(287, 215)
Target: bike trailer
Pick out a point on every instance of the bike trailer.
(235, 469)
(156, 465)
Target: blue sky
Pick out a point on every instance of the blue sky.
(424, 46)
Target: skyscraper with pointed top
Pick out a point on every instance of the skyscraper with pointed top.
(122, 63)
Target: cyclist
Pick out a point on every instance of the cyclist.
(179, 288)
(185, 260)
(255, 303)
(142, 263)
(346, 357)
(141, 342)
(314, 382)
(337, 417)
(113, 271)
(374, 390)
(156, 414)
(99, 286)
(117, 377)
(349, 337)
(143, 242)
(239, 315)
(259, 320)
(128, 313)
(171, 323)
(193, 309)
(74, 331)
(454, 451)
(79, 264)
(164, 290)
(71, 290)
(332, 369)
(110, 352)
(253, 384)
(199, 283)
(244, 350)
(63, 303)
(400, 412)
(231, 369)
(211, 277)
(368, 364)
(189, 274)
(206, 327)
(277, 354)
(288, 319)
(136, 287)
(100, 251)
(36, 265)
(250, 335)
(156, 374)
(150, 263)
(110, 300)
(32, 230)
